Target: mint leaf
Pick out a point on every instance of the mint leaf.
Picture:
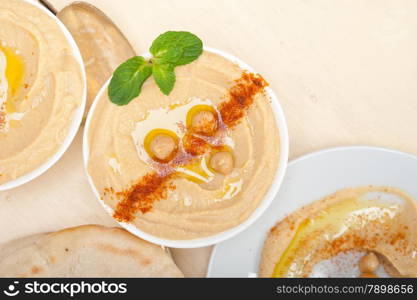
(128, 79)
(170, 49)
(164, 76)
(176, 48)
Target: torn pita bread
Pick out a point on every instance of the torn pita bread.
(85, 251)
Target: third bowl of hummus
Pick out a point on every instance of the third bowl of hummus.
(195, 167)
(42, 91)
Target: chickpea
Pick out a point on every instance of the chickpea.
(194, 145)
(222, 162)
(204, 122)
(162, 146)
(368, 263)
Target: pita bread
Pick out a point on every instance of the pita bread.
(85, 251)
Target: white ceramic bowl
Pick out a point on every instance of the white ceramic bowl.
(77, 118)
(309, 178)
(214, 239)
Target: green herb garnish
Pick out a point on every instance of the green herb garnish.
(169, 50)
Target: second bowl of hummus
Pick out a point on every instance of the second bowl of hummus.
(42, 91)
(193, 168)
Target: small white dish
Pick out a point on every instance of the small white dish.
(206, 241)
(77, 118)
(310, 178)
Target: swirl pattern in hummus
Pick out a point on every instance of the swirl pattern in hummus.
(41, 86)
(198, 201)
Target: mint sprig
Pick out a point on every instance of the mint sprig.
(169, 50)
(176, 48)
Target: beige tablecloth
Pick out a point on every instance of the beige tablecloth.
(345, 72)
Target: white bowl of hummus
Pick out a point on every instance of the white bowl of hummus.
(365, 231)
(42, 91)
(193, 168)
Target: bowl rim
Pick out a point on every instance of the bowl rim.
(231, 232)
(77, 115)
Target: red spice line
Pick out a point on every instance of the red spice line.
(241, 97)
(141, 196)
(2, 118)
(154, 186)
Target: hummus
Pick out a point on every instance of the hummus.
(191, 164)
(41, 86)
(381, 221)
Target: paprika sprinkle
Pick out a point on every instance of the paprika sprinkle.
(195, 145)
(241, 97)
(2, 119)
(141, 195)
